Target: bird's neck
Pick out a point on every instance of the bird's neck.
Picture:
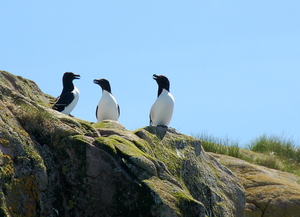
(107, 89)
(161, 90)
(106, 92)
(68, 86)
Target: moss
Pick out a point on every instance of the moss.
(76, 145)
(88, 129)
(6, 170)
(128, 148)
(109, 124)
(3, 206)
(70, 121)
(170, 158)
(143, 146)
(31, 156)
(162, 192)
(107, 144)
(79, 142)
(71, 204)
(23, 191)
(37, 122)
(180, 201)
(187, 205)
(4, 142)
(148, 134)
(154, 162)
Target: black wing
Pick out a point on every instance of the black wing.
(63, 101)
(118, 110)
(97, 112)
(150, 123)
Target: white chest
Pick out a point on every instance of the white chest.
(107, 107)
(71, 106)
(162, 110)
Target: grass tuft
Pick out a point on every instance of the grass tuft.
(219, 146)
(282, 151)
(271, 151)
(37, 122)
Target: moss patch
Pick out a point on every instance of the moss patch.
(109, 125)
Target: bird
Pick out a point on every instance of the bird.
(107, 108)
(162, 109)
(69, 96)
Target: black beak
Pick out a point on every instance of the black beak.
(76, 76)
(155, 77)
(96, 81)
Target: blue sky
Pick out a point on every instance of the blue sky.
(233, 65)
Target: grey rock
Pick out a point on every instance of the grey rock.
(55, 165)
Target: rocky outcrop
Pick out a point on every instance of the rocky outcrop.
(55, 165)
(269, 192)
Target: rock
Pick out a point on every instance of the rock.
(55, 165)
(269, 192)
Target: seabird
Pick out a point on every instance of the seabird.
(162, 109)
(108, 108)
(69, 96)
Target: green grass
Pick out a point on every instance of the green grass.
(284, 151)
(219, 146)
(272, 151)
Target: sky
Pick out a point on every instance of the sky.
(233, 66)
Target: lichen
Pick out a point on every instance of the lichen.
(88, 129)
(59, 165)
(6, 169)
(23, 190)
(4, 142)
(108, 124)
(106, 144)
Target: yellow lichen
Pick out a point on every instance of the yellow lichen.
(4, 142)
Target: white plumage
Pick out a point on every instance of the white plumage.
(67, 110)
(107, 107)
(69, 96)
(162, 110)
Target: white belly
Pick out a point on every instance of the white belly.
(162, 110)
(71, 106)
(107, 107)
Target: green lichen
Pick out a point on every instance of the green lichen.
(107, 144)
(154, 169)
(37, 122)
(79, 143)
(173, 197)
(127, 148)
(6, 169)
(143, 146)
(4, 142)
(88, 129)
(108, 125)
(3, 206)
(75, 148)
(148, 134)
(70, 121)
(24, 189)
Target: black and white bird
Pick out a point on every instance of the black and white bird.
(162, 109)
(108, 108)
(69, 96)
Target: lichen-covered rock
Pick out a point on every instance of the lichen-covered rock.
(269, 192)
(55, 165)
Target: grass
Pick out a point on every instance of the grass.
(272, 151)
(284, 151)
(37, 122)
(219, 146)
